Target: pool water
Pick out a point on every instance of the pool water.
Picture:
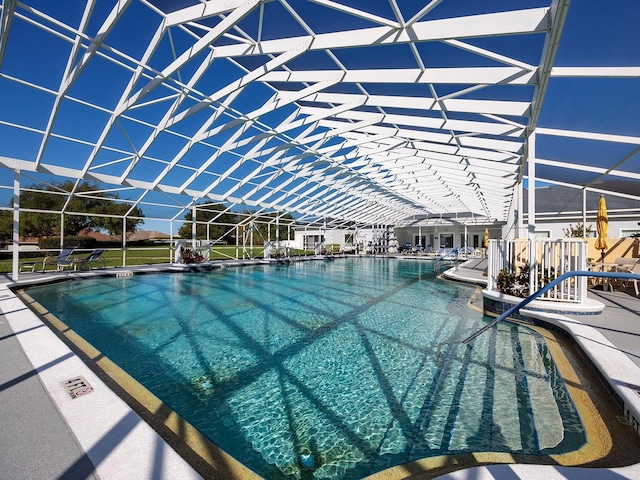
(354, 361)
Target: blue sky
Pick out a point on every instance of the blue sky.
(596, 34)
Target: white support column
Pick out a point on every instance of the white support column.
(520, 233)
(355, 241)
(582, 281)
(171, 249)
(237, 240)
(324, 232)
(531, 197)
(193, 227)
(510, 228)
(584, 213)
(533, 265)
(465, 241)
(491, 257)
(250, 238)
(16, 224)
(385, 232)
(124, 241)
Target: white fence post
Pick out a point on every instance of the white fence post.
(547, 259)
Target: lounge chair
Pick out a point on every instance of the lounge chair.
(95, 256)
(634, 268)
(625, 264)
(467, 251)
(62, 261)
(28, 266)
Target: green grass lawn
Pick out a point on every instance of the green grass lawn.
(137, 256)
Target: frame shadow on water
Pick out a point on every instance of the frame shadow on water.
(453, 365)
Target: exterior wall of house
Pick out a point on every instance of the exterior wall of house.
(306, 238)
(620, 246)
(339, 238)
(446, 235)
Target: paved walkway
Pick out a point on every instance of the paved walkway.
(47, 435)
(32, 423)
(619, 323)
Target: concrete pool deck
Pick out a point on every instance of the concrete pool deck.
(47, 434)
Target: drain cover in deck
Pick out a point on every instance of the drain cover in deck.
(77, 387)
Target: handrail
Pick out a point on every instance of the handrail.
(546, 288)
(453, 251)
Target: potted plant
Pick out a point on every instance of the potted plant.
(190, 256)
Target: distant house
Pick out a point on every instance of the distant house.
(142, 235)
(99, 236)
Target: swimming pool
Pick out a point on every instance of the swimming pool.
(355, 361)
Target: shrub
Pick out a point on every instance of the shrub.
(189, 256)
(517, 284)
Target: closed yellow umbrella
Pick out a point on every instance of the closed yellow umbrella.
(602, 226)
(485, 244)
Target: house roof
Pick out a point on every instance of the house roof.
(561, 201)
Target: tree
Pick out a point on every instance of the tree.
(113, 225)
(35, 224)
(576, 232)
(205, 213)
(263, 221)
(6, 227)
(85, 200)
(87, 208)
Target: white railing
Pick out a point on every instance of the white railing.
(521, 267)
